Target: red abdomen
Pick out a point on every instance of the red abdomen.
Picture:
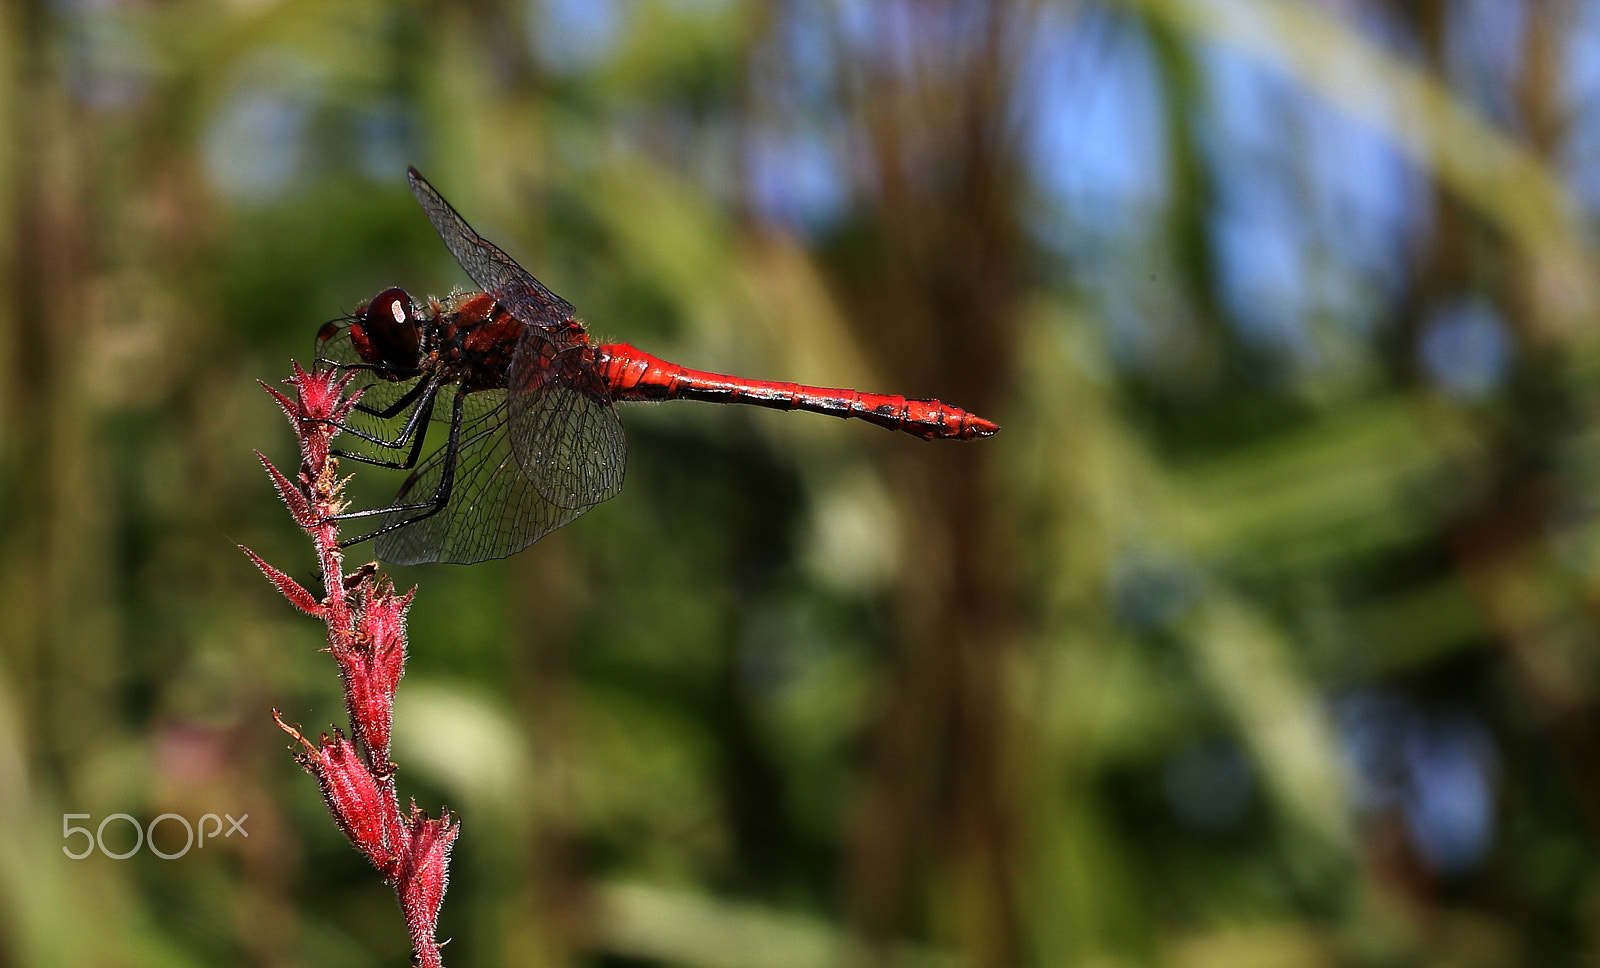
(632, 374)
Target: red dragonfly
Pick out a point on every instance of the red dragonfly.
(534, 440)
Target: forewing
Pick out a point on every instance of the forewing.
(512, 286)
(493, 511)
(565, 433)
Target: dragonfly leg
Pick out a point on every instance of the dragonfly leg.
(403, 402)
(404, 464)
(441, 494)
(411, 435)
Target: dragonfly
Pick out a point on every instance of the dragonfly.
(527, 402)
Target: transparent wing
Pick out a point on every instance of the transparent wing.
(564, 431)
(494, 510)
(512, 286)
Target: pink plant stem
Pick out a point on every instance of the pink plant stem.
(366, 635)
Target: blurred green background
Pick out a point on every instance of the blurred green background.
(1264, 635)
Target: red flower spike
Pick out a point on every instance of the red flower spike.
(352, 794)
(366, 635)
(290, 408)
(299, 507)
(372, 665)
(424, 877)
(291, 589)
(320, 405)
(321, 393)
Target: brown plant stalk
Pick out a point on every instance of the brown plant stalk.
(366, 636)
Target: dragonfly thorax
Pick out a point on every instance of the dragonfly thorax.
(386, 335)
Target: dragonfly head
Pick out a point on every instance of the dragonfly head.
(385, 333)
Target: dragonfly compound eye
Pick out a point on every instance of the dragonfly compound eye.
(387, 334)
